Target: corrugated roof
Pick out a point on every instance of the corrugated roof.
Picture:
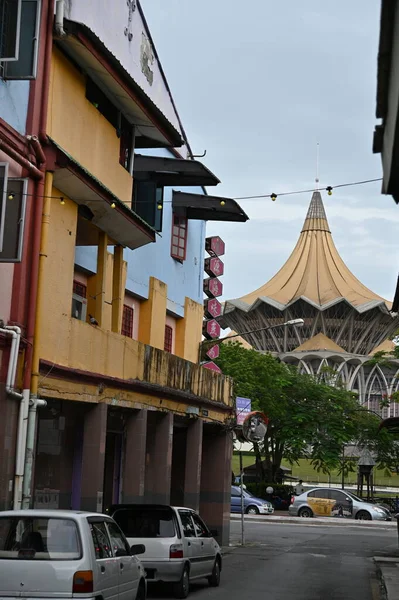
(315, 269)
(385, 346)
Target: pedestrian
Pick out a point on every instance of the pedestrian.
(299, 489)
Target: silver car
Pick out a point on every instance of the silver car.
(57, 554)
(334, 502)
(178, 545)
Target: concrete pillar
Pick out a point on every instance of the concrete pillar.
(192, 478)
(117, 290)
(101, 276)
(93, 458)
(153, 315)
(135, 456)
(159, 458)
(215, 498)
(189, 331)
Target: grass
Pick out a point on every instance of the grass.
(306, 472)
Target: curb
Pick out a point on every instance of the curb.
(314, 521)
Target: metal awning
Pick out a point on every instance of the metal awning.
(207, 208)
(120, 223)
(172, 171)
(153, 129)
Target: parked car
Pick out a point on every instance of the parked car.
(336, 502)
(179, 547)
(252, 505)
(67, 554)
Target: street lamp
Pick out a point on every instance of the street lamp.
(291, 323)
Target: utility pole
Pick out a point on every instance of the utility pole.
(242, 501)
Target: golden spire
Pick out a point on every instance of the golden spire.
(315, 269)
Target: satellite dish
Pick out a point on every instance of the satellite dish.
(254, 427)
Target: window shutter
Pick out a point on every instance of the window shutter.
(10, 22)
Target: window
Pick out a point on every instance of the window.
(101, 541)
(235, 493)
(10, 22)
(123, 129)
(179, 238)
(148, 202)
(24, 64)
(12, 215)
(335, 495)
(79, 302)
(37, 538)
(168, 345)
(322, 493)
(127, 321)
(118, 543)
(146, 522)
(200, 527)
(187, 523)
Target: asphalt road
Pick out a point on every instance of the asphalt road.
(301, 562)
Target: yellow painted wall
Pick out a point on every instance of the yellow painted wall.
(188, 331)
(72, 343)
(79, 128)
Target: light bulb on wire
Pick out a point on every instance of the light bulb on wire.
(329, 190)
(113, 205)
(273, 197)
(62, 201)
(11, 196)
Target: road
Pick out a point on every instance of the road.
(302, 562)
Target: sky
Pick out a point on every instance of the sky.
(258, 85)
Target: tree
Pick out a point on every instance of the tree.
(306, 417)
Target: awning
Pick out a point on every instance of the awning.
(90, 53)
(120, 223)
(172, 171)
(207, 208)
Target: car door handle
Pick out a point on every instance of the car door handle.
(202, 543)
(102, 569)
(121, 566)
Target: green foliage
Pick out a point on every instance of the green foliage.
(307, 417)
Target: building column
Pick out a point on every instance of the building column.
(117, 290)
(93, 458)
(159, 458)
(153, 315)
(189, 331)
(101, 277)
(192, 478)
(135, 457)
(215, 498)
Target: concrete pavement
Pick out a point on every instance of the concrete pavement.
(331, 521)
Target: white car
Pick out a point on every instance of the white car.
(67, 554)
(178, 545)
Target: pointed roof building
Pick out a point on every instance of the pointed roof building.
(314, 284)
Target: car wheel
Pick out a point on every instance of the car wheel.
(214, 579)
(182, 588)
(305, 512)
(141, 595)
(363, 515)
(252, 510)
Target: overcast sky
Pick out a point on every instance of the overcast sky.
(257, 84)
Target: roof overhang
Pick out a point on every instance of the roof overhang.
(395, 303)
(120, 223)
(207, 208)
(391, 424)
(172, 171)
(153, 129)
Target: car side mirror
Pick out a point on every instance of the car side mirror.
(137, 549)
(213, 533)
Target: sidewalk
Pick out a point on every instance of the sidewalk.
(337, 521)
(388, 570)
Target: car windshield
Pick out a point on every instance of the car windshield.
(144, 522)
(39, 538)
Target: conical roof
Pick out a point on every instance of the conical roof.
(315, 270)
(319, 342)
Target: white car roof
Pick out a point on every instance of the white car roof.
(54, 513)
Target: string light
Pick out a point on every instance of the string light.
(328, 189)
(113, 205)
(62, 201)
(222, 202)
(11, 196)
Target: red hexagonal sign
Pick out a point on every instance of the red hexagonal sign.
(211, 329)
(212, 367)
(213, 352)
(214, 266)
(214, 246)
(213, 287)
(212, 308)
